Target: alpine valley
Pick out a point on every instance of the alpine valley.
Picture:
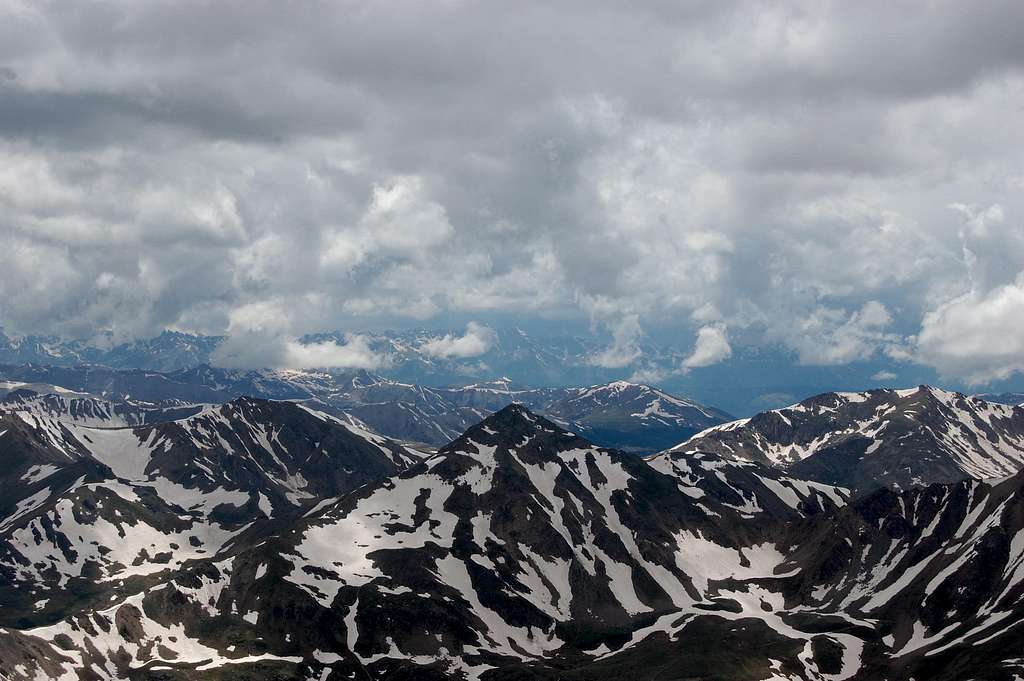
(208, 524)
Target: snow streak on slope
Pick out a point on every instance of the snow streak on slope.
(900, 438)
(521, 550)
(93, 506)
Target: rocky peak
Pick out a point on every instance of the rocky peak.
(515, 426)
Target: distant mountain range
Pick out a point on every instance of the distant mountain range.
(751, 380)
(559, 360)
(1004, 398)
(625, 415)
(267, 540)
(167, 352)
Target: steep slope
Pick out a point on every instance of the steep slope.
(928, 583)
(897, 438)
(518, 551)
(939, 571)
(92, 508)
(168, 351)
(402, 410)
(34, 454)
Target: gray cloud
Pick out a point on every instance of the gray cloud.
(267, 170)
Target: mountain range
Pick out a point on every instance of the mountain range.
(266, 539)
(621, 414)
(752, 379)
(548, 360)
(879, 438)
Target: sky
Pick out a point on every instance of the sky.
(842, 180)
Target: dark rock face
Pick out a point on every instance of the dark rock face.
(518, 551)
(894, 438)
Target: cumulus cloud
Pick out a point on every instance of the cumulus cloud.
(477, 340)
(712, 347)
(978, 336)
(788, 167)
(828, 336)
(259, 335)
(624, 349)
(249, 350)
(355, 353)
(651, 375)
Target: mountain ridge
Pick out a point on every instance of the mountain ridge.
(882, 437)
(619, 414)
(518, 550)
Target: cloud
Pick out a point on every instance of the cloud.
(651, 375)
(711, 348)
(624, 349)
(259, 337)
(788, 167)
(829, 336)
(477, 340)
(977, 336)
(401, 220)
(254, 350)
(355, 353)
(883, 376)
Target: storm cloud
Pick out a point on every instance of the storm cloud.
(844, 179)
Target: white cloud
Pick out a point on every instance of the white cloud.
(355, 353)
(256, 349)
(711, 348)
(477, 340)
(401, 220)
(624, 349)
(651, 375)
(259, 337)
(830, 336)
(883, 376)
(977, 336)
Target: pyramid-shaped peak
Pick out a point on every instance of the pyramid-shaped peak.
(246, 402)
(254, 409)
(513, 414)
(513, 424)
